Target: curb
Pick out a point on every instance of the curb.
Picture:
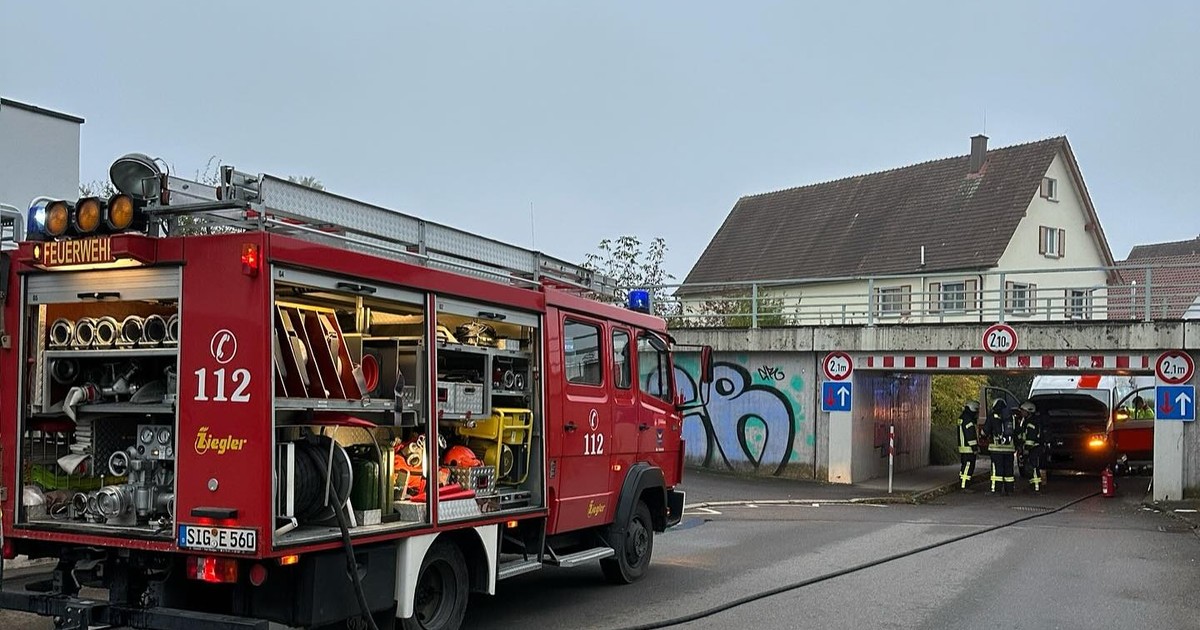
(853, 501)
(909, 497)
(1191, 519)
(23, 562)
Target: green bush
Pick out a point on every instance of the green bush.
(943, 445)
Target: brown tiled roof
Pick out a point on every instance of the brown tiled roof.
(877, 223)
(1158, 250)
(1174, 285)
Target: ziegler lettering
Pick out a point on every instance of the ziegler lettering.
(206, 443)
(595, 509)
(84, 251)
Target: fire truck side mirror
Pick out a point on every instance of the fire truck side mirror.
(706, 365)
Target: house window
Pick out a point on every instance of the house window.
(893, 300)
(957, 296)
(1020, 298)
(1052, 242)
(1079, 304)
(954, 296)
(1049, 188)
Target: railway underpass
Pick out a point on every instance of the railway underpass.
(763, 413)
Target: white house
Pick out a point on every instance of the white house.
(954, 239)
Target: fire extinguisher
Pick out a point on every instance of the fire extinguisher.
(1108, 486)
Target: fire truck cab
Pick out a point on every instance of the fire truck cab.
(258, 403)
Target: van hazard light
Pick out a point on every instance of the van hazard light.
(210, 569)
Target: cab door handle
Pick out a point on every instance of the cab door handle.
(643, 426)
(569, 427)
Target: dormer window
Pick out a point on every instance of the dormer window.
(1049, 188)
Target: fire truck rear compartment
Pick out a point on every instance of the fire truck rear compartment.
(98, 418)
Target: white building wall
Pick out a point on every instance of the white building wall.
(1081, 249)
(39, 155)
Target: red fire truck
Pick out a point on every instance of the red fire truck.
(257, 402)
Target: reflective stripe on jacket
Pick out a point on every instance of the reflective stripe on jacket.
(968, 436)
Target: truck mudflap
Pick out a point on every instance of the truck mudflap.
(675, 501)
(80, 613)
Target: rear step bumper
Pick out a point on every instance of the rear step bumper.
(81, 613)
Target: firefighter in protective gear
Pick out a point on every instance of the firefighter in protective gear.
(968, 441)
(1032, 442)
(1003, 448)
(1141, 411)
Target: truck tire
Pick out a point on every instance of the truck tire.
(633, 548)
(440, 602)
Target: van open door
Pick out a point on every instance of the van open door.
(1131, 428)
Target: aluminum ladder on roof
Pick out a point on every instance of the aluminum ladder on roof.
(291, 207)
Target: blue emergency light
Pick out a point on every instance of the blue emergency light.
(35, 223)
(639, 300)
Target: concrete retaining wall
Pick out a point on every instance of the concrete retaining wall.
(758, 417)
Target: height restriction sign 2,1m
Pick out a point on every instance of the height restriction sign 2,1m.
(1174, 367)
(837, 366)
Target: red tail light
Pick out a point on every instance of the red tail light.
(10, 549)
(250, 260)
(209, 569)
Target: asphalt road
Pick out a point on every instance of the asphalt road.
(1100, 563)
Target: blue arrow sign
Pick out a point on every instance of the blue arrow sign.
(1175, 402)
(836, 395)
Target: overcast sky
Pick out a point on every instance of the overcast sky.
(611, 118)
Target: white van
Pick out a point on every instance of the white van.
(1109, 390)
(1108, 433)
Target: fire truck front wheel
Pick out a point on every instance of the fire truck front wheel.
(440, 602)
(633, 543)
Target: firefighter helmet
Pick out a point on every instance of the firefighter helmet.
(973, 405)
(461, 457)
(1028, 407)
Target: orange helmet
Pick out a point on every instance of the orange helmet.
(461, 457)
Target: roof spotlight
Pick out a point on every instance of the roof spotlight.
(58, 218)
(123, 212)
(86, 217)
(137, 175)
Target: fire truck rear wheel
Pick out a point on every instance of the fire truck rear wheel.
(633, 549)
(442, 589)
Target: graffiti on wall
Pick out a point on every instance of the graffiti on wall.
(743, 418)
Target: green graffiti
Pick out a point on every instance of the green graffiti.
(797, 383)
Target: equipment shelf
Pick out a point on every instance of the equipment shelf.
(127, 407)
(169, 351)
(485, 350)
(333, 404)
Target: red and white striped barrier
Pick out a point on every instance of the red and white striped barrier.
(946, 362)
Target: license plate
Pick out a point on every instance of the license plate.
(220, 539)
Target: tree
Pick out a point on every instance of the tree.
(1018, 384)
(307, 180)
(949, 392)
(631, 265)
(734, 310)
(97, 188)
